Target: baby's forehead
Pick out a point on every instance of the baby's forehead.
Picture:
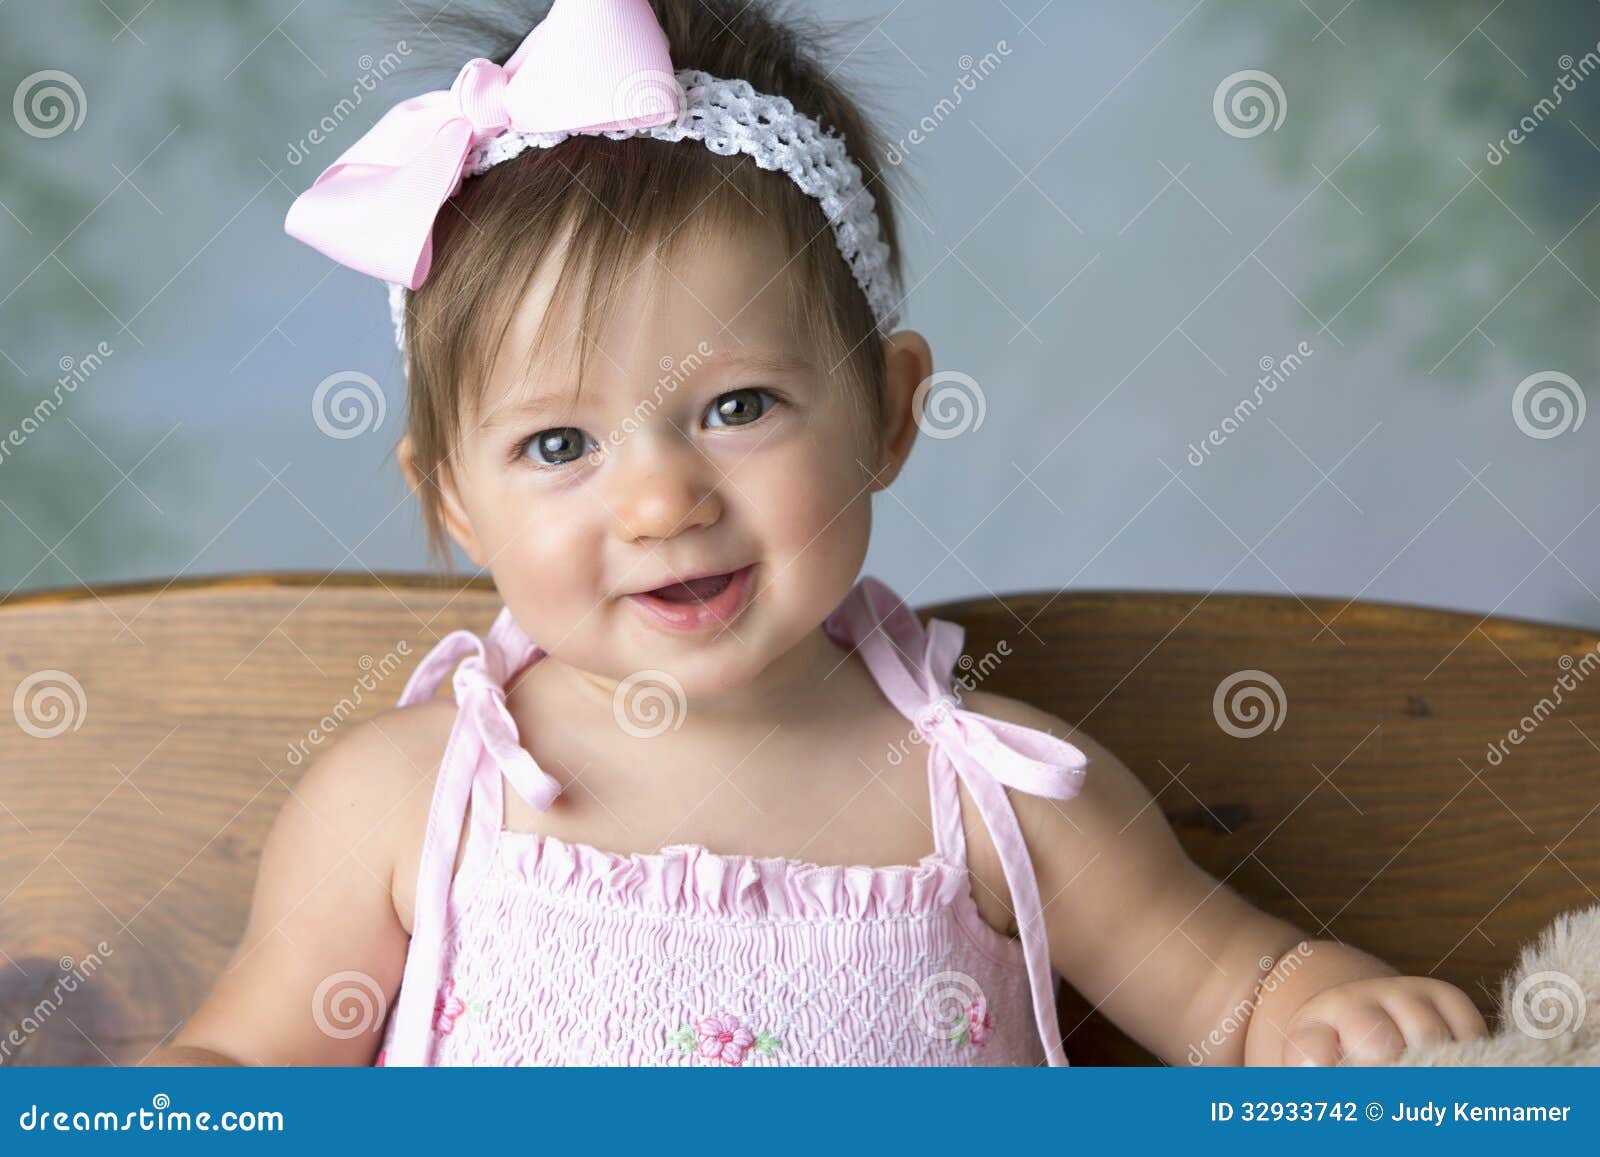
(726, 299)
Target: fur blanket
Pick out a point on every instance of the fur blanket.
(1549, 1011)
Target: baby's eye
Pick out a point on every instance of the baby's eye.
(555, 447)
(739, 407)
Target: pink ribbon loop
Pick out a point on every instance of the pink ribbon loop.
(484, 699)
(1002, 750)
(1032, 761)
(578, 71)
(479, 91)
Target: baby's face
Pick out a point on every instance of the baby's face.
(708, 439)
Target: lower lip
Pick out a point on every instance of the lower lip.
(694, 616)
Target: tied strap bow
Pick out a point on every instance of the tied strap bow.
(914, 665)
(483, 698)
(481, 670)
(1026, 759)
(590, 66)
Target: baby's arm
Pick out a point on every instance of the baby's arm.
(1174, 957)
(323, 950)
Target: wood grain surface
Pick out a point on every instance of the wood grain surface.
(156, 729)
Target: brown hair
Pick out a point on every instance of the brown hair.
(618, 204)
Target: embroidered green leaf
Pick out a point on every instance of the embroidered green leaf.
(683, 1036)
(766, 1043)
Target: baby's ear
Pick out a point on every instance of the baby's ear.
(907, 363)
(451, 512)
(406, 452)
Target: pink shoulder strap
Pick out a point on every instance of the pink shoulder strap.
(913, 665)
(484, 733)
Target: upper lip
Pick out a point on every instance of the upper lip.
(690, 577)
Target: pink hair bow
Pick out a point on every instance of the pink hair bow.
(585, 68)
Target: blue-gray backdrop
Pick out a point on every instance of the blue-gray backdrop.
(1116, 216)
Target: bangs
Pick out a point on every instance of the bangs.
(608, 213)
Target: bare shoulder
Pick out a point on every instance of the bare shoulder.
(414, 738)
(1025, 714)
(1110, 816)
(380, 773)
(402, 752)
(387, 762)
(1112, 804)
(323, 904)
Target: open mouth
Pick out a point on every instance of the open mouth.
(698, 590)
(697, 603)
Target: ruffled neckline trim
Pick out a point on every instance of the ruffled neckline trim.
(690, 880)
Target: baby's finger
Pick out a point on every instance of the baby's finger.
(1419, 1020)
(1369, 1036)
(1311, 1042)
(1463, 1017)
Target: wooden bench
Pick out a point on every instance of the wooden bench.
(1368, 808)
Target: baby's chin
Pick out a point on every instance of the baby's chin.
(706, 664)
(693, 667)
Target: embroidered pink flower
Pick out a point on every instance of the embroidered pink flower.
(972, 1026)
(721, 1038)
(979, 1021)
(447, 1008)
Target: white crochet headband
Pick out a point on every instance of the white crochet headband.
(729, 117)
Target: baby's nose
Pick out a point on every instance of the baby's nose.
(661, 495)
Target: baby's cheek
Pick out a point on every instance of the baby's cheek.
(816, 521)
(547, 559)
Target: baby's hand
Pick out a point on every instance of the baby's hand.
(1373, 1020)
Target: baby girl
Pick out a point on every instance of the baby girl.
(645, 277)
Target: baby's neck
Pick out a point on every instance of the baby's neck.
(807, 683)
